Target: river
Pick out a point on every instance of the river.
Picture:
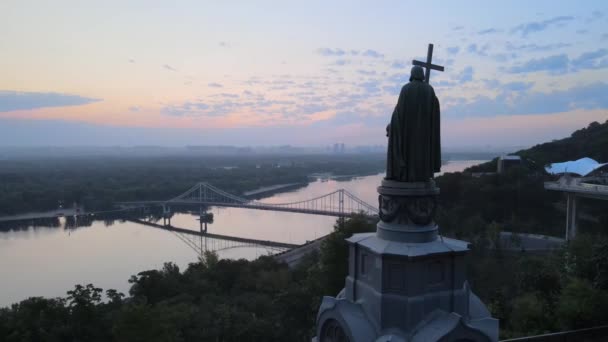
(48, 261)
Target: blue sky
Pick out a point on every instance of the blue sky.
(300, 73)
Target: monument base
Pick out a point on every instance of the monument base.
(405, 282)
(408, 291)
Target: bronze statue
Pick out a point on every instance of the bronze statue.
(414, 143)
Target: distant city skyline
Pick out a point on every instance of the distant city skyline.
(266, 73)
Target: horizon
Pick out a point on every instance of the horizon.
(314, 74)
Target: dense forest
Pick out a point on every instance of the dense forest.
(591, 142)
(261, 300)
(98, 182)
(516, 200)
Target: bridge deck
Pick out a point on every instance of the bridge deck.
(582, 189)
(217, 236)
(271, 207)
(45, 214)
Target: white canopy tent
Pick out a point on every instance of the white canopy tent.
(581, 167)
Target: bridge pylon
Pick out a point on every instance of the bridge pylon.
(204, 219)
(342, 217)
(167, 215)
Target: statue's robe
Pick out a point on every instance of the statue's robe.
(414, 143)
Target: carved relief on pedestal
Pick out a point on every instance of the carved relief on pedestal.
(407, 210)
(407, 203)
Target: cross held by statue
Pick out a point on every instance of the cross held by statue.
(428, 65)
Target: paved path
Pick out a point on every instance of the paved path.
(43, 214)
(532, 243)
(293, 257)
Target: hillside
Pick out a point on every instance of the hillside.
(591, 142)
(516, 200)
(532, 294)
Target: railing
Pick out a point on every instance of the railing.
(582, 335)
(576, 186)
(596, 187)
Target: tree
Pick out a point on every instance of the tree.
(88, 324)
(334, 252)
(581, 306)
(529, 316)
(36, 319)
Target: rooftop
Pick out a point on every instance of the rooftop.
(581, 167)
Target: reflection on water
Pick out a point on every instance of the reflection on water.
(48, 257)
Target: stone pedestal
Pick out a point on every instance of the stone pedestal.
(405, 282)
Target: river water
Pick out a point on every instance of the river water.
(48, 261)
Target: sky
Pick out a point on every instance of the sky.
(304, 73)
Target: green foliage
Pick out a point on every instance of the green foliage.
(516, 200)
(531, 294)
(581, 305)
(528, 315)
(139, 322)
(586, 142)
(98, 182)
(334, 251)
(36, 319)
(536, 294)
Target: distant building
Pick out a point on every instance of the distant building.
(284, 163)
(507, 162)
(369, 149)
(339, 148)
(211, 150)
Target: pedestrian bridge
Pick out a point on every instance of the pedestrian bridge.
(340, 203)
